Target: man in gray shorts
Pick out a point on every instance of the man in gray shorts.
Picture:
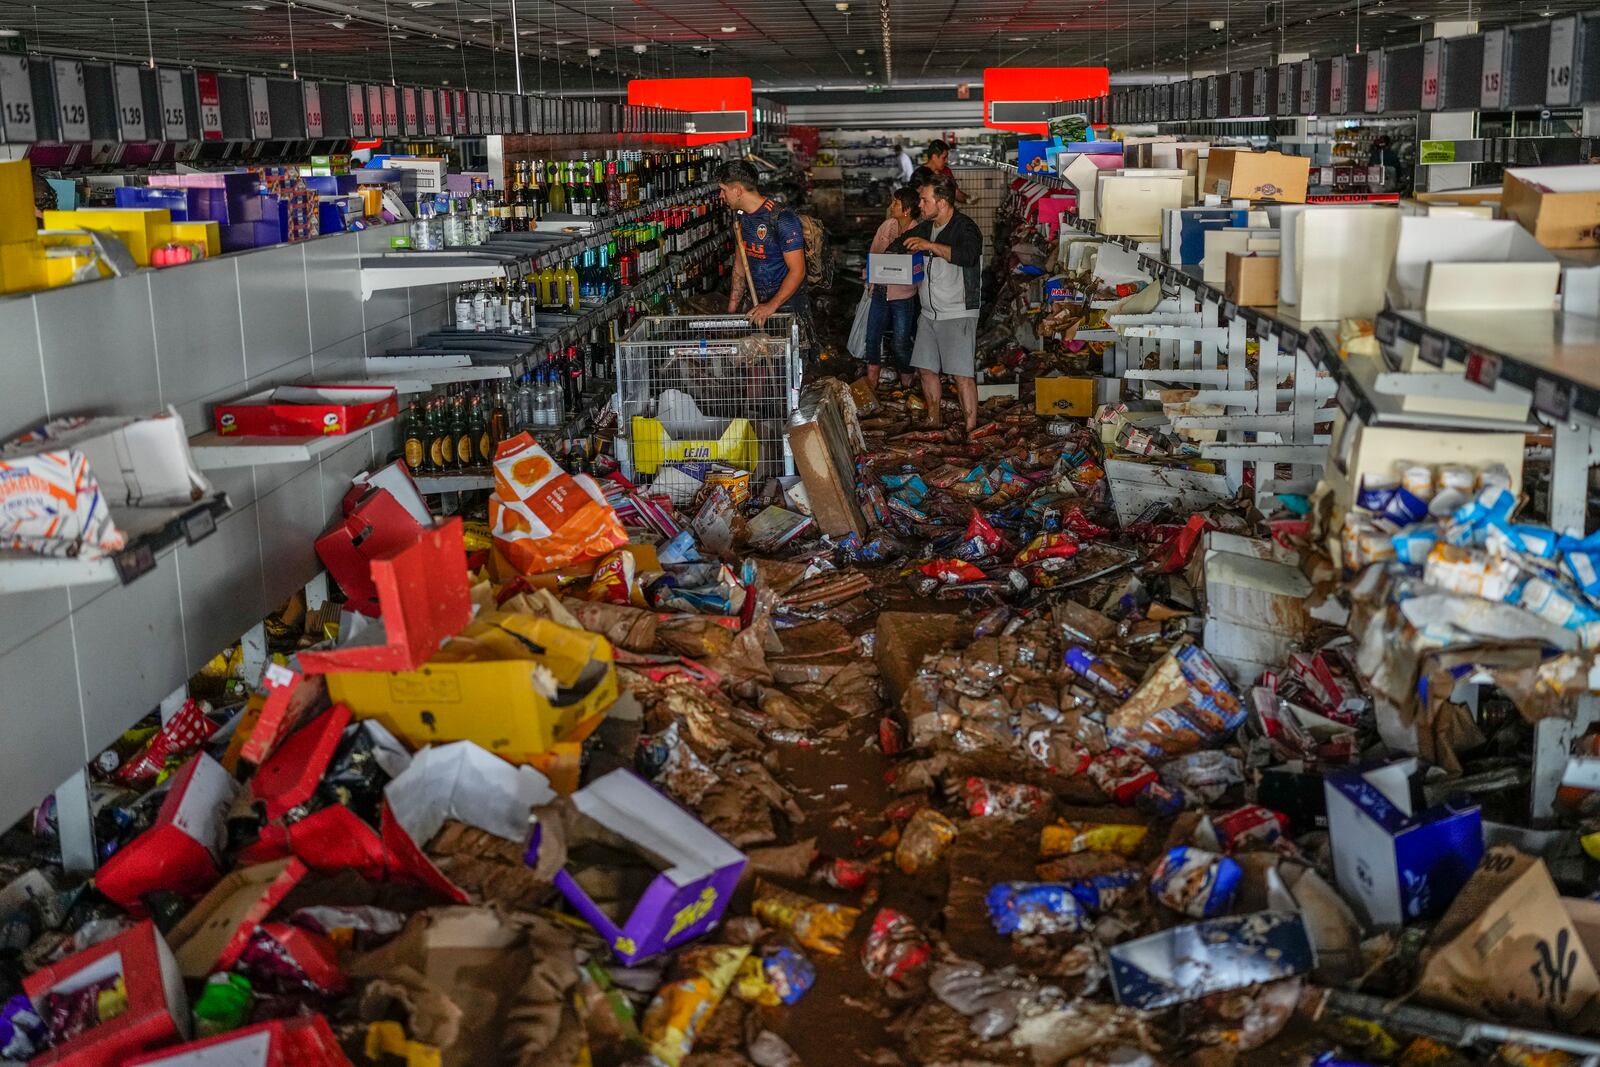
(947, 339)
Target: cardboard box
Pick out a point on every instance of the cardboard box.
(1257, 175)
(286, 700)
(483, 686)
(307, 411)
(1060, 395)
(1189, 962)
(212, 935)
(1255, 613)
(1083, 172)
(1560, 206)
(1396, 866)
(1252, 279)
(1359, 451)
(1132, 204)
(825, 460)
(376, 525)
(181, 850)
(423, 598)
(1493, 951)
(905, 637)
(694, 870)
(1485, 244)
(67, 482)
(158, 1008)
(302, 1041)
(16, 196)
(886, 269)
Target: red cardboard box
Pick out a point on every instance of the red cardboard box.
(158, 1008)
(307, 411)
(424, 598)
(179, 852)
(375, 526)
(305, 1041)
(288, 699)
(216, 930)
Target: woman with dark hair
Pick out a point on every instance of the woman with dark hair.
(893, 311)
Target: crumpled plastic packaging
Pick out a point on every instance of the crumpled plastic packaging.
(817, 926)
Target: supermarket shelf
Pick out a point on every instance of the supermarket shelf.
(1554, 355)
(212, 451)
(420, 380)
(454, 482)
(403, 270)
(149, 531)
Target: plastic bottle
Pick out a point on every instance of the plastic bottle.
(464, 308)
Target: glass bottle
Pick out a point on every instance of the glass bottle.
(478, 428)
(412, 438)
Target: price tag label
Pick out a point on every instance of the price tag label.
(174, 111)
(1230, 311)
(1258, 92)
(1236, 93)
(474, 114)
(1346, 398)
(374, 111)
(205, 83)
(199, 525)
(134, 562)
(1483, 369)
(408, 108)
(16, 100)
(1290, 339)
(1431, 350)
(1336, 86)
(391, 111)
(1553, 398)
(1558, 63)
(260, 110)
(1374, 97)
(430, 112)
(1385, 329)
(1308, 86)
(460, 120)
(1213, 97)
(1431, 53)
(72, 105)
(311, 93)
(1494, 52)
(129, 93)
(1286, 99)
(356, 97)
(501, 113)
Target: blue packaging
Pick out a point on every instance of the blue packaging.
(789, 973)
(1196, 882)
(1102, 892)
(1412, 546)
(1404, 508)
(1185, 963)
(1496, 502)
(1375, 497)
(1035, 908)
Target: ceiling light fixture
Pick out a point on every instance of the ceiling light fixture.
(254, 7)
(640, 49)
(730, 29)
(422, 3)
(842, 8)
(338, 25)
(1016, 38)
(861, 51)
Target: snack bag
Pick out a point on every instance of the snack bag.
(543, 518)
(924, 840)
(1065, 838)
(781, 977)
(1196, 882)
(674, 1018)
(817, 926)
(896, 952)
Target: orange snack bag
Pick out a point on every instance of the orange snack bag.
(543, 518)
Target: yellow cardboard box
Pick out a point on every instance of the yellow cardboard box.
(1064, 396)
(141, 229)
(16, 202)
(514, 684)
(22, 266)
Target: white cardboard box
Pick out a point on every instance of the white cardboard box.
(884, 268)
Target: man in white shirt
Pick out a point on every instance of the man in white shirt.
(908, 166)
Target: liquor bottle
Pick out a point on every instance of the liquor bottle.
(555, 190)
(478, 428)
(460, 433)
(415, 456)
(521, 408)
(464, 307)
(613, 186)
(480, 309)
(436, 437)
(547, 287)
(491, 207)
(498, 426)
(570, 280)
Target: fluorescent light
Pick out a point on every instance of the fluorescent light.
(730, 29)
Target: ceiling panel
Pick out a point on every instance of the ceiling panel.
(778, 43)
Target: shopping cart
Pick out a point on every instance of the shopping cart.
(694, 390)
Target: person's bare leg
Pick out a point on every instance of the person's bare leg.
(874, 372)
(930, 393)
(967, 391)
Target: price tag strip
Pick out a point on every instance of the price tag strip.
(129, 93)
(174, 112)
(72, 103)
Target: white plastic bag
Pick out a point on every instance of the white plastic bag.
(857, 343)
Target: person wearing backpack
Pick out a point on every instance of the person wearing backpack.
(769, 255)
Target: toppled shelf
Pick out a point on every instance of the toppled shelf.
(212, 451)
(149, 531)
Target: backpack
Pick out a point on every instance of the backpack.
(819, 257)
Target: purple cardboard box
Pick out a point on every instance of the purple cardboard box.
(695, 870)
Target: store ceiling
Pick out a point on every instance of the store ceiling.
(781, 44)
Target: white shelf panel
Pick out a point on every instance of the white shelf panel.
(211, 451)
(464, 482)
(24, 572)
(405, 270)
